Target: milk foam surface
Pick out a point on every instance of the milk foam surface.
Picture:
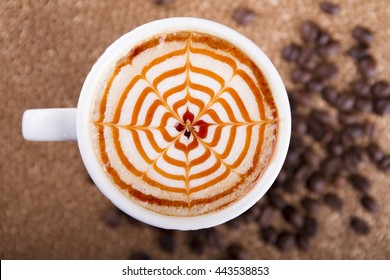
(185, 124)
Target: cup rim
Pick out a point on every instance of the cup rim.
(118, 49)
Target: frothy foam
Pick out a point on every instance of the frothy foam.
(185, 124)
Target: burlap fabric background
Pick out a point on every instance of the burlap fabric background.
(48, 209)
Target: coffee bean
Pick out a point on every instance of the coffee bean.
(167, 241)
(285, 241)
(113, 218)
(276, 200)
(362, 34)
(301, 97)
(311, 205)
(300, 76)
(331, 167)
(308, 58)
(359, 225)
(326, 71)
(369, 203)
(299, 125)
(214, 239)
(329, 8)
(358, 51)
(302, 242)
(382, 106)
(236, 252)
(139, 255)
(355, 131)
(348, 118)
(364, 105)
(367, 67)
(316, 129)
(330, 95)
(329, 49)
(360, 182)
(333, 201)
(309, 31)
(351, 159)
(235, 223)
(345, 102)
(375, 152)
(312, 158)
(243, 16)
(323, 38)
(162, 2)
(291, 215)
(269, 234)
(310, 226)
(265, 217)
(384, 164)
(370, 129)
(314, 85)
(196, 244)
(340, 181)
(361, 88)
(321, 115)
(316, 182)
(301, 174)
(380, 89)
(291, 52)
(334, 148)
(281, 177)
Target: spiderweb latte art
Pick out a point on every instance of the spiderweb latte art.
(185, 124)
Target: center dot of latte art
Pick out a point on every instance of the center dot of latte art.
(185, 125)
(188, 125)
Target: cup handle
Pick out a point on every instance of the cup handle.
(57, 124)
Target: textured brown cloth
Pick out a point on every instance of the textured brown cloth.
(48, 207)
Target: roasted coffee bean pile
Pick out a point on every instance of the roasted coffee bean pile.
(326, 148)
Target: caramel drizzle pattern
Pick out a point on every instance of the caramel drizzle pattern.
(198, 136)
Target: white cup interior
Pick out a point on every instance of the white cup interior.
(120, 48)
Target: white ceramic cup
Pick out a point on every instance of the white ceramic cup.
(72, 124)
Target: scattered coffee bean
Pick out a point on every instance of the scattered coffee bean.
(348, 118)
(323, 38)
(281, 177)
(309, 31)
(326, 71)
(235, 223)
(331, 167)
(360, 182)
(369, 203)
(236, 252)
(333, 201)
(113, 218)
(345, 102)
(316, 129)
(329, 49)
(167, 241)
(244, 16)
(302, 242)
(291, 215)
(329, 8)
(367, 67)
(351, 159)
(312, 158)
(266, 216)
(162, 2)
(285, 241)
(214, 239)
(334, 148)
(362, 34)
(276, 200)
(300, 76)
(316, 182)
(291, 52)
(301, 175)
(355, 131)
(364, 105)
(269, 234)
(359, 225)
(308, 58)
(380, 89)
(330, 95)
(311, 205)
(299, 125)
(382, 106)
(358, 51)
(384, 164)
(314, 85)
(340, 181)
(310, 226)
(321, 115)
(139, 255)
(375, 152)
(361, 88)
(196, 244)
(301, 97)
